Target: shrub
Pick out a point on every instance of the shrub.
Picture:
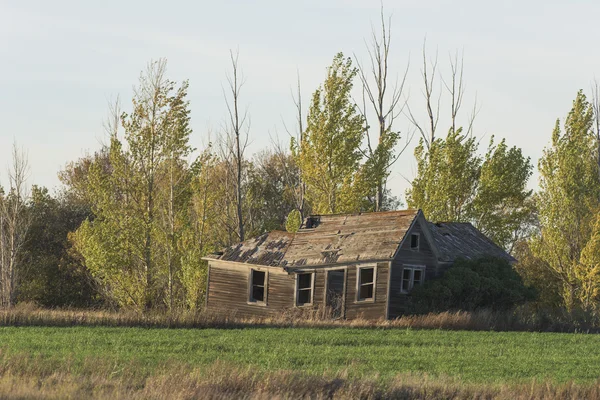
(293, 221)
(468, 285)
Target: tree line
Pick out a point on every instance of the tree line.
(133, 220)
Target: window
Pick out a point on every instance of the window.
(414, 241)
(258, 284)
(304, 283)
(411, 276)
(366, 283)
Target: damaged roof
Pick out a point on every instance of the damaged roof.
(329, 239)
(462, 240)
(266, 249)
(326, 239)
(343, 238)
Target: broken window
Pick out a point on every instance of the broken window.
(366, 283)
(258, 285)
(414, 241)
(411, 276)
(304, 291)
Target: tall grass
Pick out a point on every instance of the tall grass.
(521, 319)
(24, 378)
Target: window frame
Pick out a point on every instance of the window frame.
(418, 235)
(297, 289)
(412, 268)
(250, 299)
(359, 283)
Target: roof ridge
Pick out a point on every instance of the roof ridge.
(415, 210)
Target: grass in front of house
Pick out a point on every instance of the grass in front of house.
(471, 357)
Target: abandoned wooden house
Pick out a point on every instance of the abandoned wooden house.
(360, 265)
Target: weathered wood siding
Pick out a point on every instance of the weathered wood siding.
(371, 310)
(319, 295)
(424, 256)
(228, 290)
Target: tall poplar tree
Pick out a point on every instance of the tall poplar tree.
(568, 202)
(328, 153)
(454, 184)
(447, 176)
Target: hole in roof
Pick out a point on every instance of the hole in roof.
(438, 225)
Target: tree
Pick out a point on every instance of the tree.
(455, 87)
(329, 153)
(132, 243)
(50, 275)
(272, 180)
(237, 141)
(14, 225)
(387, 107)
(568, 202)
(292, 174)
(503, 206)
(447, 177)
(454, 184)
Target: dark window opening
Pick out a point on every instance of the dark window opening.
(257, 293)
(414, 242)
(412, 276)
(417, 277)
(366, 283)
(406, 276)
(304, 295)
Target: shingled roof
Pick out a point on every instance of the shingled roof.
(343, 238)
(266, 249)
(462, 240)
(327, 239)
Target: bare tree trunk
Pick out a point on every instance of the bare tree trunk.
(237, 123)
(302, 185)
(455, 87)
(428, 74)
(386, 110)
(14, 224)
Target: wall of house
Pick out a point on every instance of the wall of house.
(229, 282)
(228, 290)
(405, 255)
(370, 310)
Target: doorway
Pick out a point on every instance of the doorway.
(334, 295)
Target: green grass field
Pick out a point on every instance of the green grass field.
(477, 357)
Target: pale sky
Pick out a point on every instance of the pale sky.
(61, 62)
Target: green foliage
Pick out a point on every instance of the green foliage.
(51, 276)
(141, 241)
(447, 177)
(503, 206)
(454, 184)
(537, 274)
(272, 178)
(329, 153)
(488, 283)
(567, 204)
(293, 221)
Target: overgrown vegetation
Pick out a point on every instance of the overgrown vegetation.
(525, 318)
(488, 283)
(30, 377)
